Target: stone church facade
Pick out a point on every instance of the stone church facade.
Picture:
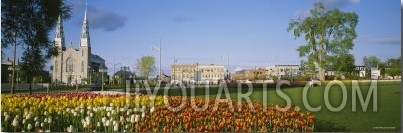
(76, 66)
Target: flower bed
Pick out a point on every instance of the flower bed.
(76, 112)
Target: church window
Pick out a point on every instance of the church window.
(82, 66)
(69, 65)
(56, 67)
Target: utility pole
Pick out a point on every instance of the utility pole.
(15, 50)
(160, 60)
(228, 66)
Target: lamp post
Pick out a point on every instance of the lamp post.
(159, 49)
(102, 70)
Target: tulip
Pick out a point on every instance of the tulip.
(143, 115)
(103, 120)
(50, 119)
(29, 127)
(36, 124)
(116, 127)
(152, 109)
(132, 118)
(107, 123)
(42, 124)
(137, 118)
(15, 122)
(98, 124)
(70, 128)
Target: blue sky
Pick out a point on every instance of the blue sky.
(201, 31)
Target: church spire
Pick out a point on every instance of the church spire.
(85, 34)
(59, 38)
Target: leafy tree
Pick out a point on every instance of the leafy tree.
(344, 65)
(328, 33)
(371, 61)
(146, 66)
(28, 23)
(393, 65)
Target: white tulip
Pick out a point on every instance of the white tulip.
(47, 131)
(91, 114)
(40, 130)
(23, 121)
(67, 109)
(36, 118)
(15, 122)
(45, 120)
(143, 114)
(70, 128)
(82, 111)
(111, 104)
(7, 117)
(137, 118)
(42, 124)
(107, 123)
(132, 117)
(152, 109)
(122, 118)
(116, 127)
(50, 119)
(29, 127)
(103, 120)
(5, 113)
(45, 113)
(108, 114)
(85, 125)
(98, 124)
(88, 119)
(36, 124)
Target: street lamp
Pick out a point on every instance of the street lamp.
(102, 70)
(159, 49)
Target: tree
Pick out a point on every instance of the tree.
(371, 61)
(146, 66)
(393, 65)
(328, 34)
(28, 23)
(344, 65)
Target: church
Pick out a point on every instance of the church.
(76, 66)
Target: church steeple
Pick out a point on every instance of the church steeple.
(85, 34)
(59, 38)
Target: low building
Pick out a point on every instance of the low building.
(198, 73)
(250, 74)
(282, 70)
(7, 71)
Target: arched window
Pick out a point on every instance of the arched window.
(69, 65)
(56, 67)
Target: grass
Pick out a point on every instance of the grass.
(385, 119)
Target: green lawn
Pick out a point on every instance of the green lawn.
(386, 118)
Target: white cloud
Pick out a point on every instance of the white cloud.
(237, 69)
(100, 18)
(382, 40)
(339, 3)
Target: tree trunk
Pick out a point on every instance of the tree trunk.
(321, 75)
(30, 82)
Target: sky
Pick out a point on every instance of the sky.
(251, 33)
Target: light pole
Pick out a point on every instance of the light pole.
(102, 70)
(159, 49)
